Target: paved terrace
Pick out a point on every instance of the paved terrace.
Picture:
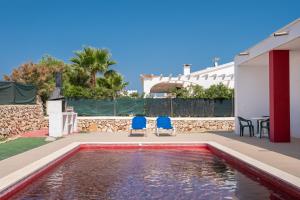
(283, 156)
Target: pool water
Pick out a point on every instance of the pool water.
(146, 174)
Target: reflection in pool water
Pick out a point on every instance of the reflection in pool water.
(146, 174)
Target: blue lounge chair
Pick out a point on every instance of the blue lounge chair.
(139, 123)
(164, 125)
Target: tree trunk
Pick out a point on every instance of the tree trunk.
(93, 79)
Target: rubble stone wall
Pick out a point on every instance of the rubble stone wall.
(17, 119)
(182, 125)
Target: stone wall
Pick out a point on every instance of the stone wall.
(16, 119)
(182, 125)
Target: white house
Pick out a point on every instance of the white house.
(128, 92)
(267, 80)
(158, 84)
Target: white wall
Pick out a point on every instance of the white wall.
(295, 93)
(205, 78)
(251, 92)
(146, 86)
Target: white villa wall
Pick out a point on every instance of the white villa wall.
(248, 105)
(295, 93)
(148, 83)
(251, 92)
(222, 75)
(207, 77)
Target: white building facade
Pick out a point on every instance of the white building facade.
(153, 85)
(267, 79)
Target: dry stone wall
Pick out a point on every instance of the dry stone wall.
(17, 119)
(181, 125)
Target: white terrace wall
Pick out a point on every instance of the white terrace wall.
(251, 92)
(17, 119)
(295, 93)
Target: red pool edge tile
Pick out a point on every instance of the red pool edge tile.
(244, 167)
(34, 176)
(261, 176)
(143, 146)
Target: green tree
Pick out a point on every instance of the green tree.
(134, 95)
(79, 78)
(51, 62)
(198, 91)
(92, 61)
(181, 92)
(219, 91)
(40, 75)
(142, 95)
(112, 83)
(76, 76)
(76, 91)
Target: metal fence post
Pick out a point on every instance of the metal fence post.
(171, 107)
(115, 110)
(14, 92)
(232, 107)
(214, 101)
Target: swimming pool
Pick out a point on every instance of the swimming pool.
(155, 172)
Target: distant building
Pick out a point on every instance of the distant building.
(160, 86)
(129, 92)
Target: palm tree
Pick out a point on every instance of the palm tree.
(102, 62)
(77, 76)
(93, 61)
(112, 82)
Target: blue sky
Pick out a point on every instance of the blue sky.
(144, 36)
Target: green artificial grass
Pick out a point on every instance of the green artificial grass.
(19, 145)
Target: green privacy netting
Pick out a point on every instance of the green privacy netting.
(16, 93)
(104, 107)
(153, 107)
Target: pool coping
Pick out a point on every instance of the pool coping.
(9, 183)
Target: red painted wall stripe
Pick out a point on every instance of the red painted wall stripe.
(279, 82)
